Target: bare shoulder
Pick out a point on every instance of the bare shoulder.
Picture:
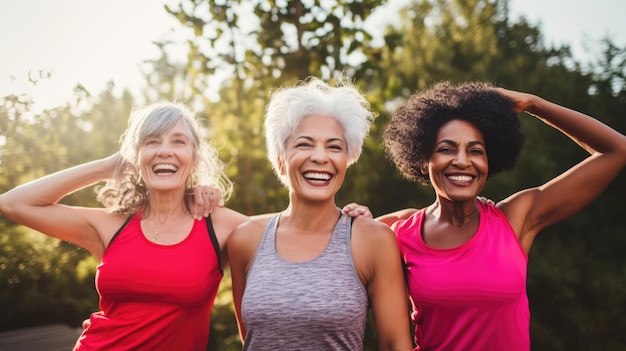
(517, 208)
(372, 234)
(244, 241)
(374, 249)
(250, 231)
(224, 222)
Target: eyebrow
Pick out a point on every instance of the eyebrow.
(451, 142)
(175, 135)
(311, 139)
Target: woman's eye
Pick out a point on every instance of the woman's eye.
(336, 147)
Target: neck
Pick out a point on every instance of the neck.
(457, 214)
(162, 210)
(310, 216)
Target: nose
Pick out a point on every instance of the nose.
(165, 149)
(461, 159)
(318, 154)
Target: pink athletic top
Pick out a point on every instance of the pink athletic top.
(154, 297)
(472, 297)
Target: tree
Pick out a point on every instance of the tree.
(44, 280)
(261, 45)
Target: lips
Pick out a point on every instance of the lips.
(317, 177)
(460, 178)
(164, 168)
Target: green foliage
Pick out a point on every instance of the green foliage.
(224, 334)
(263, 45)
(40, 283)
(44, 280)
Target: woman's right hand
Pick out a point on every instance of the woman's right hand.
(521, 101)
(113, 162)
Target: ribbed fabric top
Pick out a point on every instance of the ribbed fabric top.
(319, 304)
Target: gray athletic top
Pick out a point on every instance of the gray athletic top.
(314, 305)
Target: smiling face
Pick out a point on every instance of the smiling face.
(458, 167)
(315, 159)
(167, 160)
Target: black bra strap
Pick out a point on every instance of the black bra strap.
(120, 230)
(216, 244)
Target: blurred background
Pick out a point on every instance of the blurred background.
(70, 72)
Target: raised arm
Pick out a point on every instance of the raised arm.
(35, 205)
(534, 209)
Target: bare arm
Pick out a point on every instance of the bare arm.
(35, 205)
(241, 246)
(534, 209)
(354, 210)
(377, 258)
(391, 218)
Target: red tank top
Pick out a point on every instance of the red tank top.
(154, 297)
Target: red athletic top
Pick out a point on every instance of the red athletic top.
(471, 297)
(154, 297)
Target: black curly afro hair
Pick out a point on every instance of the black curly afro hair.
(410, 136)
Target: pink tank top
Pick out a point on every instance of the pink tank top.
(472, 297)
(154, 297)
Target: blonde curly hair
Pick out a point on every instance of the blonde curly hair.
(126, 192)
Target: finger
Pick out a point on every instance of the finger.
(214, 199)
(207, 204)
(349, 207)
(365, 212)
(198, 204)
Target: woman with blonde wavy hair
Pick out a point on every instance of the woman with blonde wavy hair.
(160, 267)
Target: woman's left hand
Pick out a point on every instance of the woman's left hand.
(204, 199)
(355, 210)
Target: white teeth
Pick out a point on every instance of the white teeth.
(164, 167)
(460, 178)
(317, 176)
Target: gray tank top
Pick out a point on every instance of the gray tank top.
(314, 305)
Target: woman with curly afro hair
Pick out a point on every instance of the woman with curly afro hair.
(466, 259)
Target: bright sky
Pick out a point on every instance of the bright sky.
(94, 41)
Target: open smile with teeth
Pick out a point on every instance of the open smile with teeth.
(164, 168)
(460, 178)
(317, 177)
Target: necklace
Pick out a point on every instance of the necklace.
(155, 235)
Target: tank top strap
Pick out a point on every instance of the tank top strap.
(267, 244)
(339, 240)
(214, 241)
(121, 228)
(341, 234)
